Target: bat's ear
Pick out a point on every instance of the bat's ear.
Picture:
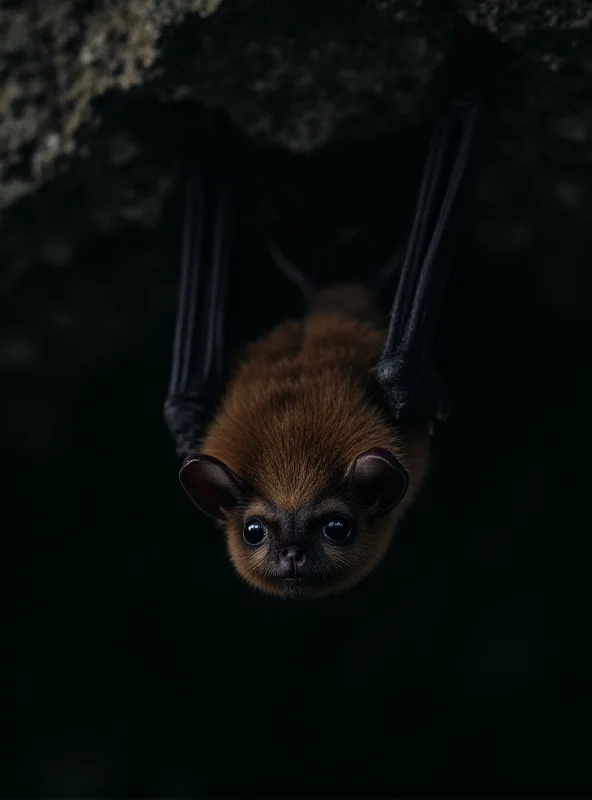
(213, 487)
(378, 479)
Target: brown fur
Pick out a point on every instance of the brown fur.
(298, 410)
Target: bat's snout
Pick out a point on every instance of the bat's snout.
(293, 562)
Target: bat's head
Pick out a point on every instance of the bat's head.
(303, 546)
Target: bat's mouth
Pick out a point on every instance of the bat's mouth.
(298, 584)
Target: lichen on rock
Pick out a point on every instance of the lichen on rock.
(55, 59)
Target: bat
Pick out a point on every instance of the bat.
(308, 453)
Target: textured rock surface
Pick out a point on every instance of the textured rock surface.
(295, 74)
(57, 58)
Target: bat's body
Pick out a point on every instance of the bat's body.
(302, 405)
(319, 440)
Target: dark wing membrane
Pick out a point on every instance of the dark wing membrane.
(198, 361)
(413, 390)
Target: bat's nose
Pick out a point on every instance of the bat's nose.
(295, 553)
(292, 561)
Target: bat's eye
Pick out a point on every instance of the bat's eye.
(337, 530)
(254, 532)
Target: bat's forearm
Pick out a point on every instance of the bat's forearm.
(197, 361)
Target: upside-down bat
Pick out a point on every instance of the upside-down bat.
(321, 437)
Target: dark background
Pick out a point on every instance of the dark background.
(138, 664)
(135, 662)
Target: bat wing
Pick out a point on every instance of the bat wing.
(411, 386)
(197, 360)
